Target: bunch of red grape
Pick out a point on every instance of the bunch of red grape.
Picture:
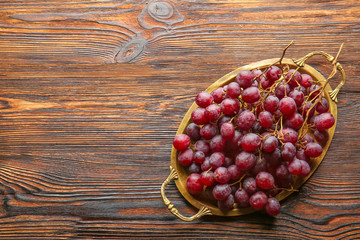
(250, 139)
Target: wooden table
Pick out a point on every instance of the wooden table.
(92, 93)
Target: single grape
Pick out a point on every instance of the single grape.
(249, 185)
(271, 104)
(233, 90)
(322, 106)
(287, 106)
(251, 95)
(221, 191)
(304, 109)
(203, 99)
(185, 157)
(230, 106)
(198, 116)
(288, 135)
(218, 95)
(245, 120)
(227, 204)
(300, 154)
(227, 131)
(181, 142)
(322, 136)
(256, 73)
(282, 172)
(295, 121)
(250, 142)
(273, 73)
(199, 157)
(313, 149)
(293, 79)
(217, 143)
(265, 84)
(314, 91)
(272, 206)
(235, 172)
(244, 78)
(270, 144)
(203, 146)
(193, 131)
(222, 175)
(242, 198)
(217, 159)
(282, 90)
(306, 81)
(288, 151)
(264, 180)
(206, 164)
(194, 184)
(207, 178)
(295, 166)
(194, 167)
(297, 96)
(212, 112)
(305, 168)
(324, 121)
(258, 200)
(208, 131)
(245, 160)
(265, 119)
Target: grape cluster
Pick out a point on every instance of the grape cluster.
(249, 139)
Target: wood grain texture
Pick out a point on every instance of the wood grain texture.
(92, 93)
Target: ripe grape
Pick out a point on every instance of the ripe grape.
(206, 164)
(202, 146)
(193, 131)
(287, 106)
(185, 157)
(272, 206)
(242, 198)
(217, 159)
(230, 106)
(218, 95)
(233, 90)
(273, 73)
(264, 180)
(208, 131)
(227, 131)
(322, 136)
(221, 191)
(203, 99)
(222, 175)
(207, 178)
(194, 167)
(282, 90)
(198, 116)
(289, 135)
(305, 168)
(181, 142)
(212, 112)
(245, 160)
(322, 106)
(295, 166)
(313, 149)
(293, 79)
(297, 96)
(324, 121)
(234, 171)
(244, 78)
(250, 142)
(217, 143)
(282, 172)
(245, 120)
(306, 81)
(270, 144)
(199, 157)
(194, 184)
(249, 185)
(295, 121)
(258, 200)
(265, 119)
(251, 95)
(314, 91)
(271, 104)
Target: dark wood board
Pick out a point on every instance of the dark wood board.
(92, 93)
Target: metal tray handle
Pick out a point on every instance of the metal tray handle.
(203, 211)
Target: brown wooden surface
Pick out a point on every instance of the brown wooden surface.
(92, 93)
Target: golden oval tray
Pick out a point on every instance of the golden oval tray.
(179, 174)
